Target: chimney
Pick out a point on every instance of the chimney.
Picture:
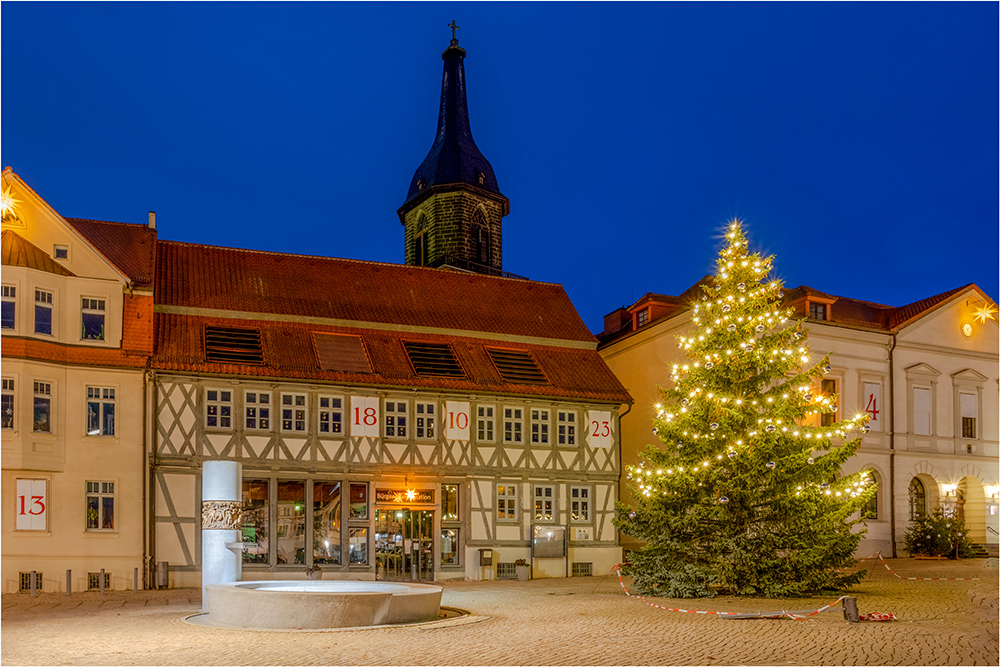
(152, 219)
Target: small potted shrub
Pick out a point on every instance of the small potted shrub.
(523, 569)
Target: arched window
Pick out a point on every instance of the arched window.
(918, 499)
(480, 238)
(870, 510)
(420, 242)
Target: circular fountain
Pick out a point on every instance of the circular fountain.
(301, 605)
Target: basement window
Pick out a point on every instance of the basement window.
(233, 345)
(517, 366)
(434, 359)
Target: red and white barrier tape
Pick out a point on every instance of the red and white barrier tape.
(795, 615)
(879, 554)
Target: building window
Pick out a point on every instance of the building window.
(579, 504)
(331, 415)
(425, 421)
(921, 411)
(293, 413)
(449, 502)
(100, 505)
(870, 510)
(257, 410)
(60, 251)
(358, 544)
(92, 317)
(484, 423)
(506, 502)
(817, 311)
(291, 522)
(43, 312)
(359, 500)
(100, 411)
(449, 546)
(545, 503)
(829, 389)
(969, 411)
(539, 427)
(395, 419)
(512, 425)
(42, 408)
(917, 499)
(8, 307)
(326, 523)
(255, 520)
(642, 317)
(218, 408)
(7, 404)
(566, 428)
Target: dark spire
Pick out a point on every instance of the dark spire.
(454, 157)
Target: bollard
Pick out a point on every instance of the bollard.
(851, 610)
(34, 590)
(162, 576)
(69, 582)
(135, 580)
(101, 584)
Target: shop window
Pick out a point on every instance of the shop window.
(291, 522)
(545, 503)
(92, 319)
(331, 415)
(100, 411)
(42, 408)
(43, 312)
(566, 428)
(218, 408)
(539, 427)
(449, 502)
(359, 500)
(449, 546)
(484, 423)
(7, 404)
(917, 498)
(326, 523)
(579, 504)
(395, 419)
(8, 307)
(506, 502)
(512, 425)
(257, 410)
(293, 413)
(425, 420)
(256, 521)
(100, 506)
(358, 545)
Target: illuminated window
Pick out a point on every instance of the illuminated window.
(42, 407)
(8, 304)
(43, 312)
(331, 415)
(870, 510)
(257, 411)
(545, 503)
(7, 404)
(425, 420)
(506, 502)
(395, 419)
(100, 411)
(579, 504)
(828, 389)
(293, 413)
(218, 408)
(100, 505)
(326, 523)
(92, 319)
(255, 521)
(917, 498)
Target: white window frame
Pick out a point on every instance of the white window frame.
(506, 496)
(8, 389)
(8, 294)
(223, 409)
(513, 425)
(102, 488)
(92, 305)
(56, 247)
(581, 503)
(295, 411)
(930, 409)
(831, 416)
(486, 424)
(42, 389)
(541, 426)
(543, 503)
(329, 410)
(566, 428)
(425, 422)
(964, 406)
(396, 421)
(102, 397)
(258, 407)
(50, 304)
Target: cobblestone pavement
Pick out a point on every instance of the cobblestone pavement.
(580, 621)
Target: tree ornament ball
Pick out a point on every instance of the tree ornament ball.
(709, 365)
(655, 431)
(731, 328)
(770, 465)
(827, 369)
(866, 428)
(824, 486)
(723, 500)
(811, 460)
(726, 308)
(770, 428)
(732, 454)
(684, 401)
(760, 328)
(807, 397)
(741, 286)
(713, 425)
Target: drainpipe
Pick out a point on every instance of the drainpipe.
(892, 448)
(621, 466)
(148, 392)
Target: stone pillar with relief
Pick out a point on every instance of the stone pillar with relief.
(221, 543)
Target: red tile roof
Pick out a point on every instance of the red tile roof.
(18, 251)
(131, 248)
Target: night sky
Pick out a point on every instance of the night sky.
(858, 141)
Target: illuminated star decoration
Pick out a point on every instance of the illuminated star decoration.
(8, 204)
(985, 313)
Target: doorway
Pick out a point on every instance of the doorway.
(404, 544)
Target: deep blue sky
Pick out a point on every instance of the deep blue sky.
(858, 141)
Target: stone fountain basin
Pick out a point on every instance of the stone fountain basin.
(294, 605)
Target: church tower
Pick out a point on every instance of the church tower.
(454, 207)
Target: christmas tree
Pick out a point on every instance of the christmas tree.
(742, 495)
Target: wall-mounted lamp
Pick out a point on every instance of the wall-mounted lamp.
(992, 491)
(948, 489)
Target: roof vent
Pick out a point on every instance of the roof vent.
(341, 352)
(232, 345)
(517, 366)
(433, 359)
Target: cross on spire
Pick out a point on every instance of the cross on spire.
(453, 29)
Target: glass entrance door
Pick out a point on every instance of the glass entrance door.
(404, 545)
